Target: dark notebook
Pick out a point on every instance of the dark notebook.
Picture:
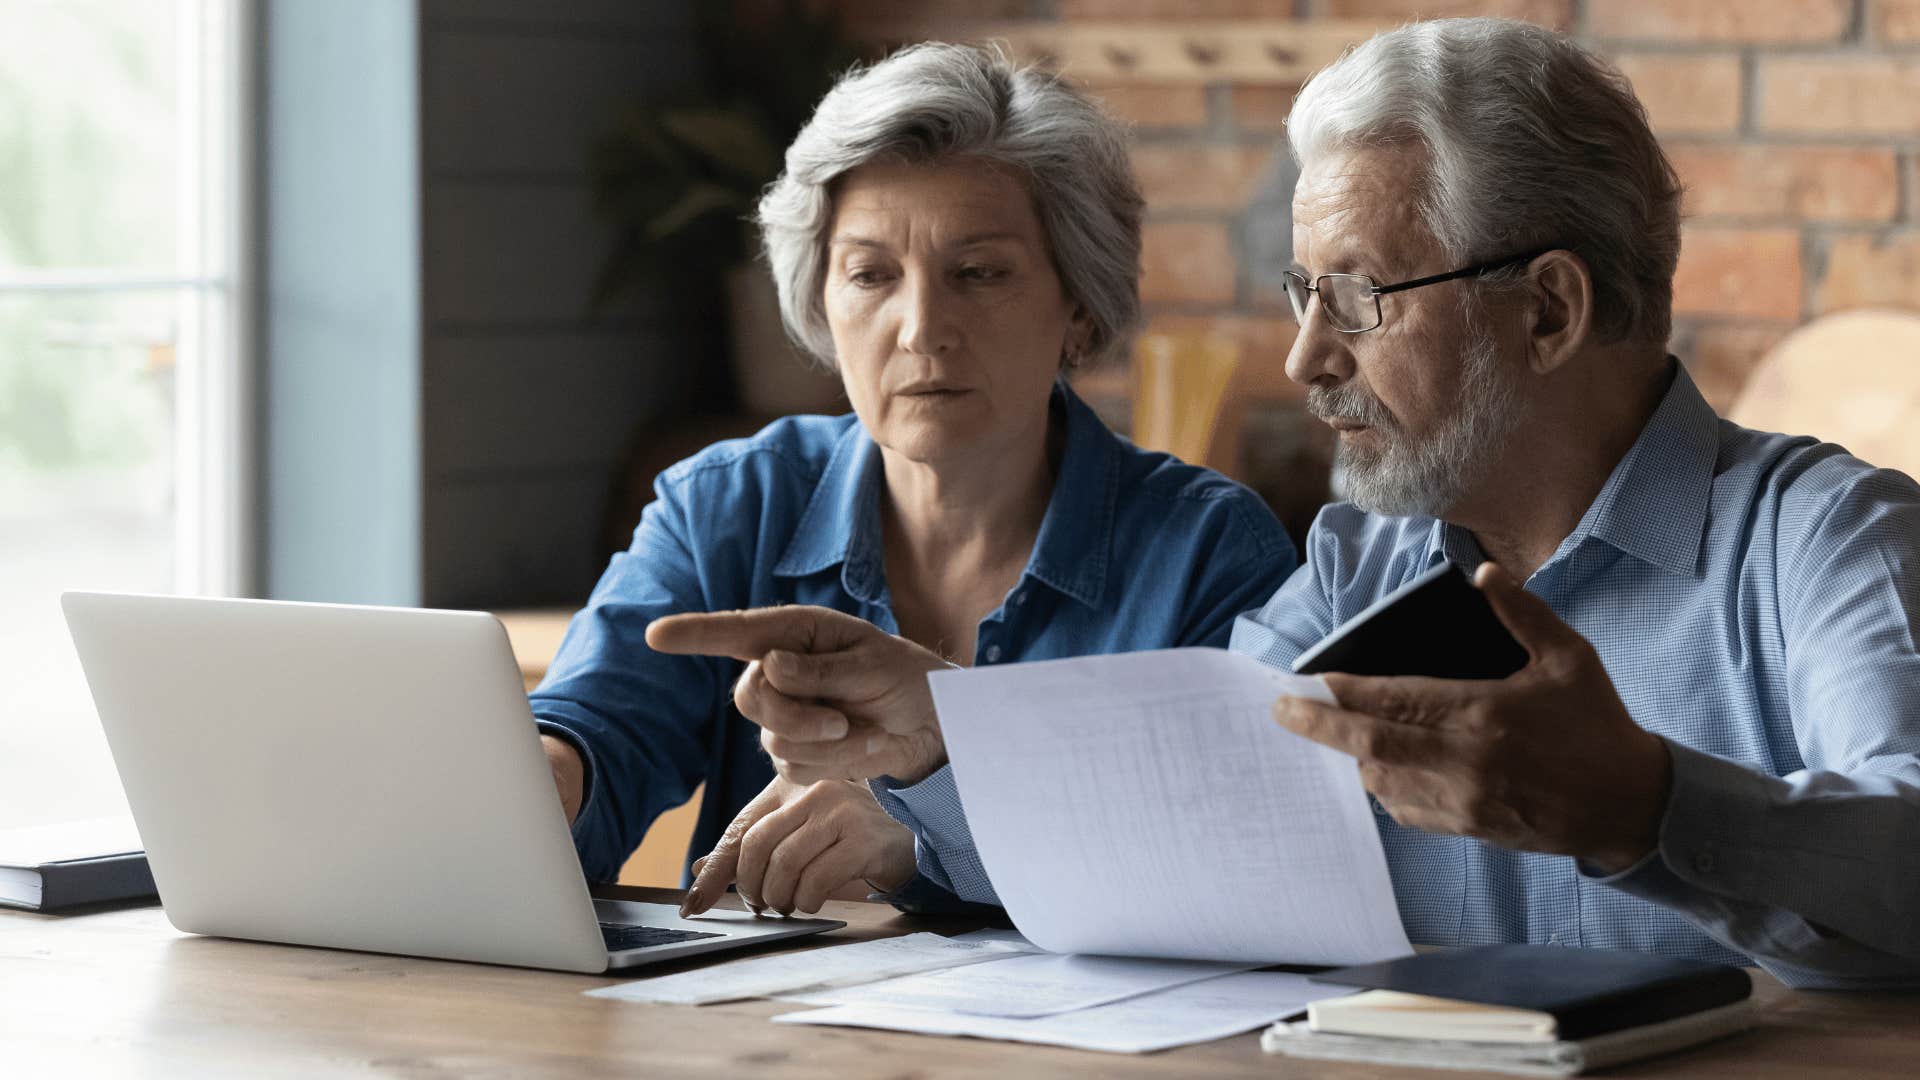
(84, 862)
(1438, 625)
(1588, 992)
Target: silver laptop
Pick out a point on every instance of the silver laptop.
(357, 778)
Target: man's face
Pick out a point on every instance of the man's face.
(1424, 401)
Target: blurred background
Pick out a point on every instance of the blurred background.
(407, 301)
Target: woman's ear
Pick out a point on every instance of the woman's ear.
(1559, 309)
(1079, 334)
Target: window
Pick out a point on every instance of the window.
(124, 462)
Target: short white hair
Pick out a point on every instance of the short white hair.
(1528, 141)
(936, 102)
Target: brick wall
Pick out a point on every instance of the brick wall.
(1793, 123)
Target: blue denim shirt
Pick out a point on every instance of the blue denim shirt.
(1137, 551)
(1756, 600)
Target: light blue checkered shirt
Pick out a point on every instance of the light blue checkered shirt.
(1756, 600)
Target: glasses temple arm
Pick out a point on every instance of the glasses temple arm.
(1471, 271)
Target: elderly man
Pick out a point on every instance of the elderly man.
(1714, 750)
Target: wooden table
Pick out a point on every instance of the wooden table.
(119, 992)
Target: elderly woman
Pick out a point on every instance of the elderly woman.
(952, 234)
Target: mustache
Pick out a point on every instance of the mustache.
(1348, 401)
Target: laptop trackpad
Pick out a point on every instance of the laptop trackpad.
(720, 921)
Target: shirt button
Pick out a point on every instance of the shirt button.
(1019, 598)
(1703, 862)
(1554, 940)
(993, 653)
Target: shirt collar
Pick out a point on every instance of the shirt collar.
(1654, 503)
(1075, 543)
(1654, 506)
(841, 524)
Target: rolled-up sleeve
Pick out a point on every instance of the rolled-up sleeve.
(640, 719)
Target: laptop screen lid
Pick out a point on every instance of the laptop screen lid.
(348, 777)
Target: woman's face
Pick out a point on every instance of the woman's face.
(947, 316)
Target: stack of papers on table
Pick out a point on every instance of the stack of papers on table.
(1212, 1008)
(996, 985)
(1024, 987)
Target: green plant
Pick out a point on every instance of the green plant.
(678, 181)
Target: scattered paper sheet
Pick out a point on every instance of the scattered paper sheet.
(1198, 1012)
(832, 965)
(1146, 804)
(1025, 986)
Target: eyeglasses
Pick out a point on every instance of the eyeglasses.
(1351, 302)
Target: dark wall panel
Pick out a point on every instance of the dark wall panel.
(529, 402)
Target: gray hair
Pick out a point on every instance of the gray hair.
(1530, 141)
(934, 102)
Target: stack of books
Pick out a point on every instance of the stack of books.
(1527, 1009)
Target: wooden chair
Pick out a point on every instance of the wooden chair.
(1852, 378)
(1184, 399)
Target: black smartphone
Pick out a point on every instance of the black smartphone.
(1438, 624)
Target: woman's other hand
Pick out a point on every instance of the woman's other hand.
(836, 697)
(794, 847)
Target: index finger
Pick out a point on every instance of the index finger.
(749, 635)
(715, 873)
(845, 675)
(716, 869)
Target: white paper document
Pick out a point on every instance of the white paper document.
(833, 965)
(1025, 986)
(1197, 1012)
(1146, 804)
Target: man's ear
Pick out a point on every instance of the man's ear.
(1559, 310)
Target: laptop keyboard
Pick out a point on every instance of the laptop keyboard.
(623, 936)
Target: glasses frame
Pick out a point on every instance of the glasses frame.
(1375, 290)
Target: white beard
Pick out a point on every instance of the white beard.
(1424, 479)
